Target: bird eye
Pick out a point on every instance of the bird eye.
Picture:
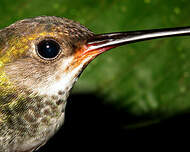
(48, 49)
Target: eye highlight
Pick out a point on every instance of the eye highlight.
(48, 49)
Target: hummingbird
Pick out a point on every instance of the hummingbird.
(41, 58)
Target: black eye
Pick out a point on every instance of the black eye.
(48, 49)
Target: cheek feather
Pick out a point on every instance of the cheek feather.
(65, 76)
(58, 81)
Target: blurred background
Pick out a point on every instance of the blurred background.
(132, 95)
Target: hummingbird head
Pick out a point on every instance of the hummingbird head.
(43, 55)
(40, 60)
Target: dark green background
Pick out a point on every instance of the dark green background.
(150, 80)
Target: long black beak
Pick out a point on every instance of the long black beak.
(105, 42)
